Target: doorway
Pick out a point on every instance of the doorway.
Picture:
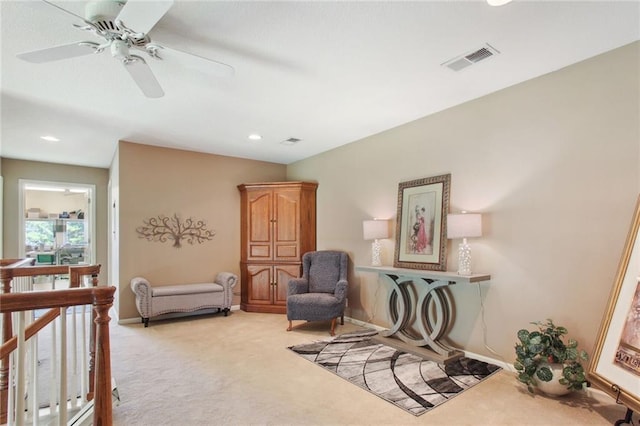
(57, 222)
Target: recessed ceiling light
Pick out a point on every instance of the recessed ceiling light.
(255, 137)
(50, 138)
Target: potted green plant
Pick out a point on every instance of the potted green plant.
(541, 352)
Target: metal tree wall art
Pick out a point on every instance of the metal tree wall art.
(163, 228)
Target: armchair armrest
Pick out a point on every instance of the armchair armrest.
(297, 286)
(341, 290)
(227, 280)
(142, 289)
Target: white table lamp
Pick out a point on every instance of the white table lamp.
(375, 230)
(464, 225)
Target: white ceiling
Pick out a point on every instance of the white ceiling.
(328, 73)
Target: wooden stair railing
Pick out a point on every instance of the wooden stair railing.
(100, 297)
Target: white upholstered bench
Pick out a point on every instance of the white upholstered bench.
(153, 301)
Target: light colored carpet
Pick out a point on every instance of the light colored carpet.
(237, 370)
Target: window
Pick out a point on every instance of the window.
(75, 234)
(39, 234)
(64, 227)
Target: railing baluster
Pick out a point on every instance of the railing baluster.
(11, 391)
(84, 379)
(53, 400)
(62, 394)
(33, 385)
(20, 370)
(73, 385)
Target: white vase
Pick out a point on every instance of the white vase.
(553, 387)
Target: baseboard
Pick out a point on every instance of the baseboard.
(364, 324)
(500, 363)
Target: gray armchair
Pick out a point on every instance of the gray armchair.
(321, 293)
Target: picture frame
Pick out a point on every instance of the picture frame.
(421, 223)
(615, 362)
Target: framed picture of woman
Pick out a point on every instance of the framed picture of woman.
(421, 240)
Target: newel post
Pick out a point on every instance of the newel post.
(103, 300)
(92, 342)
(7, 333)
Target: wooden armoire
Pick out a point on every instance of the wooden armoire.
(278, 225)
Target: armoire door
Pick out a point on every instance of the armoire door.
(260, 284)
(286, 231)
(283, 273)
(259, 226)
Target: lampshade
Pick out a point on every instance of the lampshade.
(375, 229)
(464, 225)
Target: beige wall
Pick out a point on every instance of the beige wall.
(13, 170)
(551, 163)
(154, 181)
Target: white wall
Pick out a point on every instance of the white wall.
(551, 163)
(54, 202)
(113, 203)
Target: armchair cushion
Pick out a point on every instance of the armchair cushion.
(324, 272)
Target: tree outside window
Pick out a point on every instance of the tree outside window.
(39, 232)
(75, 234)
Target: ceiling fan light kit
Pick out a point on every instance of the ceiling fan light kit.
(101, 13)
(124, 25)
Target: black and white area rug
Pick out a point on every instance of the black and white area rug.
(406, 380)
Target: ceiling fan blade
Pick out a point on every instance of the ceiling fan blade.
(144, 78)
(140, 16)
(62, 9)
(196, 62)
(59, 52)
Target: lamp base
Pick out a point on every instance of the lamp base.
(464, 258)
(376, 251)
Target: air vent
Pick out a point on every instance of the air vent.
(479, 55)
(472, 57)
(290, 141)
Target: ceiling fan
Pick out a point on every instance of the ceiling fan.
(124, 26)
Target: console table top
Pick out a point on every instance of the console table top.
(421, 273)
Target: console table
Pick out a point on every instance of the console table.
(433, 310)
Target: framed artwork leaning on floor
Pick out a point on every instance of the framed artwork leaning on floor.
(615, 362)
